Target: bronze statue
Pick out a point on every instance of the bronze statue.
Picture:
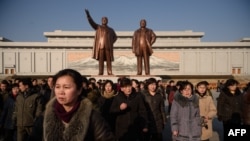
(142, 42)
(105, 37)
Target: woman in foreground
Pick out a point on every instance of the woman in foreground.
(68, 117)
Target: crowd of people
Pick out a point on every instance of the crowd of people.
(69, 107)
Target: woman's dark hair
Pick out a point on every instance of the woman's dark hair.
(136, 81)
(184, 84)
(76, 76)
(230, 82)
(108, 81)
(14, 85)
(26, 81)
(202, 83)
(247, 87)
(125, 82)
(92, 79)
(171, 81)
(85, 80)
(93, 85)
(158, 82)
(34, 79)
(150, 81)
(5, 82)
(178, 83)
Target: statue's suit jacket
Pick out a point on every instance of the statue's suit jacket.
(150, 39)
(104, 37)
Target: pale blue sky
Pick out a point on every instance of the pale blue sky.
(220, 20)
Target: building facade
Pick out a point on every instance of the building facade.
(175, 53)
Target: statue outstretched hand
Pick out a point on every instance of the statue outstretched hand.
(87, 12)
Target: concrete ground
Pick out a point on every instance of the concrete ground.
(217, 126)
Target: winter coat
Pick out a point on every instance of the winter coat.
(46, 94)
(93, 95)
(246, 108)
(131, 121)
(28, 107)
(229, 107)
(207, 109)
(86, 124)
(105, 103)
(171, 90)
(3, 97)
(185, 118)
(7, 113)
(156, 112)
(1, 103)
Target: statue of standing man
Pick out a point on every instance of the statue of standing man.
(105, 37)
(142, 42)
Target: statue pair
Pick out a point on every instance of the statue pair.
(105, 38)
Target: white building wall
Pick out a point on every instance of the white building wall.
(221, 62)
(192, 61)
(247, 63)
(57, 61)
(189, 63)
(9, 58)
(205, 61)
(25, 62)
(1, 62)
(40, 62)
(189, 55)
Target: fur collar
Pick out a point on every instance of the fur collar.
(183, 101)
(108, 95)
(75, 130)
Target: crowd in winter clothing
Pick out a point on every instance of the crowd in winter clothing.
(69, 107)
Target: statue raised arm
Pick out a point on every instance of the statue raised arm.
(105, 37)
(93, 24)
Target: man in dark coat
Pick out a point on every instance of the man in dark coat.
(6, 116)
(246, 106)
(105, 37)
(142, 42)
(155, 109)
(130, 111)
(229, 106)
(28, 107)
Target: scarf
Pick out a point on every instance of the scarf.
(201, 95)
(64, 115)
(14, 96)
(109, 95)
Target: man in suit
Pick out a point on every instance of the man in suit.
(142, 42)
(105, 37)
